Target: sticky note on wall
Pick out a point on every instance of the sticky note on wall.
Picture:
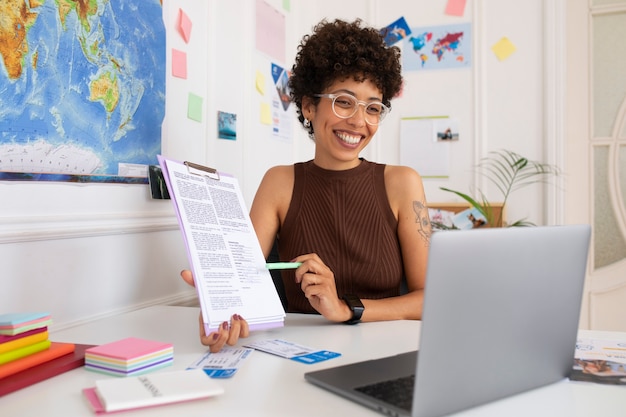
(194, 107)
(503, 48)
(179, 64)
(455, 7)
(184, 25)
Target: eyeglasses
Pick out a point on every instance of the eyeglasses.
(346, 106)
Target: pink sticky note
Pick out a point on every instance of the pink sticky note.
(184, 25)
(455, 7)
(179, 64)
(128, 349)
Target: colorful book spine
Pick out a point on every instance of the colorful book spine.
(21, 342)
(60, 358)
(6, 338)
(56, 350)
(24, 351)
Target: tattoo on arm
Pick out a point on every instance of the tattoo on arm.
(424, 228)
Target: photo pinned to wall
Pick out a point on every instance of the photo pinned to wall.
(226, 125)
(447, 129)
(158, 187)
(438, 47)
(396, 31)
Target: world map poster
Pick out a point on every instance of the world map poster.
(82, 89)
(437, 47)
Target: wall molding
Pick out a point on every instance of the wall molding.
(188, 299)
(43, 228)
(554, 26)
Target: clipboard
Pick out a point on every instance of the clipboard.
(198, 169)
(224, 253)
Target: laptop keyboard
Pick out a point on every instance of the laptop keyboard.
(398, 392)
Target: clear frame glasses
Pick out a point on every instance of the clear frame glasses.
(345, 106)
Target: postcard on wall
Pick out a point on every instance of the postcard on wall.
(396, 31)
(438, 47)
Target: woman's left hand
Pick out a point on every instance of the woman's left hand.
(318, 284)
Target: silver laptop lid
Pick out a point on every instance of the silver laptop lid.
(500, 314)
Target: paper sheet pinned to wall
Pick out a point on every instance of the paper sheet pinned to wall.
(270, 31)
(420, 149)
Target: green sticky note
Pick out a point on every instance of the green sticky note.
(287, 5)
(194, 107)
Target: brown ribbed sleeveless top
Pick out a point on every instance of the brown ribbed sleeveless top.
(344, 217)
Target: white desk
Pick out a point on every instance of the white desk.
(267, 385)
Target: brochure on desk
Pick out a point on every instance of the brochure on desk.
(600, 361)
(224, 253)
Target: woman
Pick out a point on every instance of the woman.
(361, 230)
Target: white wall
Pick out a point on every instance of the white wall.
(82, 251)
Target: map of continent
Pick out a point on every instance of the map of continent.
(82, 89)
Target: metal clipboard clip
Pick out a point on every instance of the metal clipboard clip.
(198, 169)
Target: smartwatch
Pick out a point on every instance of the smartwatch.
(356, 307)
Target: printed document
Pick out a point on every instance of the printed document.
(223, 250)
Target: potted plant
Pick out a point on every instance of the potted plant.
(509, 172)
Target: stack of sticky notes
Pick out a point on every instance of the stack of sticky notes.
(27, 355)
(130, 356)
(23, 334)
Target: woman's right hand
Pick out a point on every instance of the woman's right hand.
(228, 333)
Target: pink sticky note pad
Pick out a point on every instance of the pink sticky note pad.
(455, 7)
(129, 348)
(184, 25)
(179, 64)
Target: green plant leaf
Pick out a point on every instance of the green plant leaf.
(508, 172)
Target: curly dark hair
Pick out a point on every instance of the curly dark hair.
(340, 50)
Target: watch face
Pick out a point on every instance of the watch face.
(356, 306)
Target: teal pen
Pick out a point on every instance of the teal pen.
(283, 265)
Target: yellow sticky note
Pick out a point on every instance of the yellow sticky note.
(266, 114)
(194, 107)
(260, 82)
(503, 48)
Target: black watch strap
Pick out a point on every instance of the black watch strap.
(356, 307)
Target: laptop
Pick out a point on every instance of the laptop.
(501, 311)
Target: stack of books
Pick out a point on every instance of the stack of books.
(28, 356)
(130, 356)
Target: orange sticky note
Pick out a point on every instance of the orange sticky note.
(503, 48)
(455, 7)
(184, 25)
(179, 64)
